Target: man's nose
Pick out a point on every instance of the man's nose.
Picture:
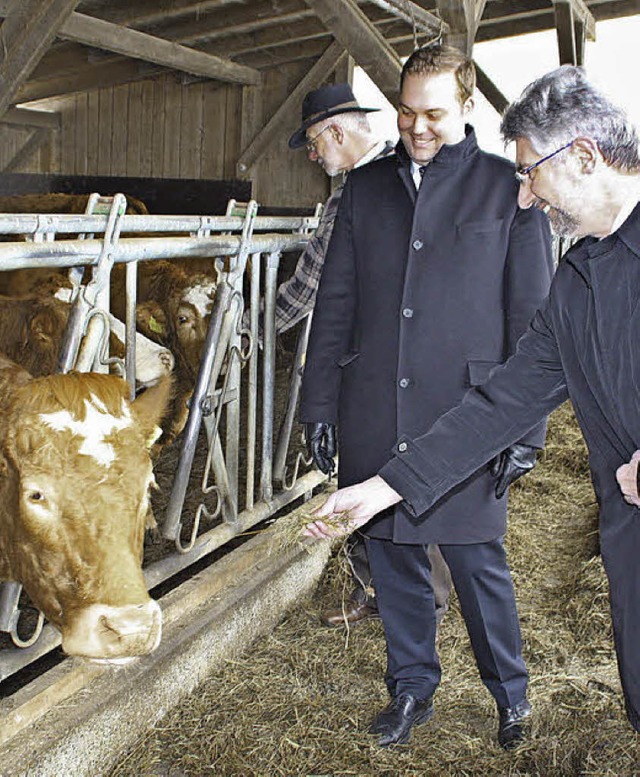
(312, 154)
(420, 125)
(526, 197)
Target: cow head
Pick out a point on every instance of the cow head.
(190, 314)
(75, 474)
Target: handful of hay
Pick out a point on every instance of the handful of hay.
(287, 531)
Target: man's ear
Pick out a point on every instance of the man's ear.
(337, 132)
(588, 154)
(468, 106)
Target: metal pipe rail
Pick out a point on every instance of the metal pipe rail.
(47, 224)
(74, 253)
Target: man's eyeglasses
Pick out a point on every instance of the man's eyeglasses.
(523, 175)
(311, 145)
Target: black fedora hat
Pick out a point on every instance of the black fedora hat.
(328, 100)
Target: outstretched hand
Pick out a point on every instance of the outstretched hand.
(349, 508)
(627, 477)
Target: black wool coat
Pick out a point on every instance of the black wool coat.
(421, 295)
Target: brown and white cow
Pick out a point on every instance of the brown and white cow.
(75, 474)
(32, 327)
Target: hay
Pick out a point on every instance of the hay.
(299, 702)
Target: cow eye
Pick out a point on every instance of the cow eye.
(36, 496)
(182, 319)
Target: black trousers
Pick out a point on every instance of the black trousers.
(407, 607)
(364, 591)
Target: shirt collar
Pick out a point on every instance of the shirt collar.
(372, 153)
(626, 210)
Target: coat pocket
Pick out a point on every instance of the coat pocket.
(479, 371)
(347, 358)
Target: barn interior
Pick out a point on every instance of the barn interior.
(186, 105)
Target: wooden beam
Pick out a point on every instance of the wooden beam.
(565, 32)
(283, 117)
(91, 77)
(25, 35)
(37, 139)
(582, 13)
(412, 13)
(26, 117)
(151, 11)
(462, 18)
(366, 45)
(490, 90)
(138, 45)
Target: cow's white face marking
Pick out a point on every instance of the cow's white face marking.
(64, 294)
(200, 297)
(97, 424)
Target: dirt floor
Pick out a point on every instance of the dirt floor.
(300, 701)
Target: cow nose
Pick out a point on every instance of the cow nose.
(167, 360)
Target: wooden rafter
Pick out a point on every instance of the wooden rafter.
(574, 23)
(132, 43)
(367, 46)
(25, 35)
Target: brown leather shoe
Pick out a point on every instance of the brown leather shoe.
(352, 614)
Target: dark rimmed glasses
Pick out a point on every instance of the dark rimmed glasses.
(311, 144)
(523, 175)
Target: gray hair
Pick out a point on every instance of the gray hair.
(563, 105)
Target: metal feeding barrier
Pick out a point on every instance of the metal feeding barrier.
(229, 387)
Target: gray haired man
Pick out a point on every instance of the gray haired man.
(578, 161)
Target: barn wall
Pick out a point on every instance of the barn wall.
(163, 128)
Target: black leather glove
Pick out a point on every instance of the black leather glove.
(321, 444)
(514, 462)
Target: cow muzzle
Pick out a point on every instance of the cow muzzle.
(108, 634)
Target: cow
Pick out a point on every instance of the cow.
(75, 474)
(183, 301)
(32, 329)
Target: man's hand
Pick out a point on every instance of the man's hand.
(348, 508)
(514, 462)
(321, 444)
(627, 477)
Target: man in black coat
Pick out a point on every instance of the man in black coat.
(578, 162)
(432, 275)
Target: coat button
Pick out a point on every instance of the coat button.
(403, 382)
(417, 244)
(402, 447)
(407, 313)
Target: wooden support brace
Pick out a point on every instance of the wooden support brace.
(26, 33)
(37, 139)
(349, 25)
(490, 90)
(290, 107)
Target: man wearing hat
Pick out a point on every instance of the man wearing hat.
(336, 134)
(432, 275)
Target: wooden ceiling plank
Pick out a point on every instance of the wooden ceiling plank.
(281, 119)
(26, 33)
(367, 46)
(582, 13)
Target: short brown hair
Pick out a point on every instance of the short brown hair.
(436, 58)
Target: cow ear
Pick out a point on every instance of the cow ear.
(150, 407)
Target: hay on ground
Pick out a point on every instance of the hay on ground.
(299, 702)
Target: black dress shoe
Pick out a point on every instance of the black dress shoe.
(394, 723)
(513, 720)
(352, 614)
